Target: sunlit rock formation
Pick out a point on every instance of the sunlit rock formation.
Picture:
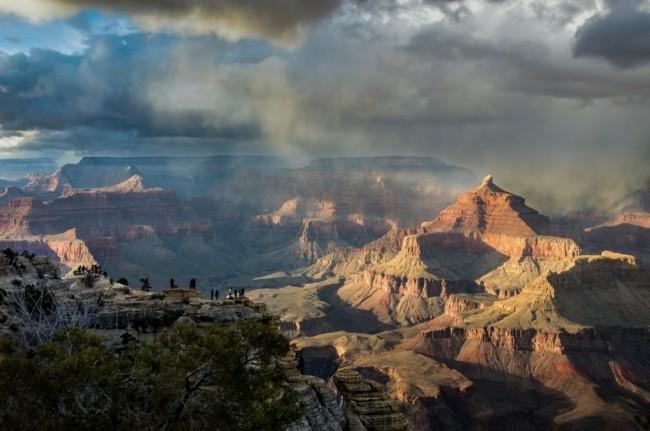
(574, 332)
(487, 241)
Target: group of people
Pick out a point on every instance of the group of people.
(232, 294)
(237, 293)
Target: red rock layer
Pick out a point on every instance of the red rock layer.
(123, 215)
(490, 209)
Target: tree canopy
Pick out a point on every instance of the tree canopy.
(190, 378)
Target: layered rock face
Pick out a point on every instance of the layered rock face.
(321, 227)
(413, 285)
(418, 383)
(113, 226)
(571, 331)
(186, 176)
(10, 193)
(487, 241)
(253, 214)
(307, 213)
(318, 238)
(322, 408)
(503, 221)
(66, 249)
(359, 190)
(627, 229)
(636, 218)
(367, 406)
(528, 257)
(122, 211)
(456, 306)
(490, 209)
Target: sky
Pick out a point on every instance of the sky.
(549, 96)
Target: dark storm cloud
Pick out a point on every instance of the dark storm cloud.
(622, 36)
(283, 21)
(525, 66)
(103, 88)
(494, 87)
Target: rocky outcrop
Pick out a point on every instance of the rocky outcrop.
(572, 331)
(133, 184)
(536, 247)
(418, 383)
(490, 209)
(186, 176)
(419, 287)
(318, 238)
(70, 251)
(625, 229)
(115, 310)
(487, 241)
(102, 213)
(634, 218)
(464, 343)
(294, 211)
(46, 184)
(130, 229)
(609, 289)
(65, 250)
(10, 193)
(457, 305)
(322, 408)
(530, 257)
(368, 407)
(316, 227)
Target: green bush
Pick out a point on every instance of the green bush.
(214, 378)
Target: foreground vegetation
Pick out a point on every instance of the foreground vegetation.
(190, 378)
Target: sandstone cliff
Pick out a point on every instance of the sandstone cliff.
(490, 209)
(492, 246)
(131, 229)
(570, 331)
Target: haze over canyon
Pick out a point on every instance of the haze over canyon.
(325, 215)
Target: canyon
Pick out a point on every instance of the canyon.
(427, 297)
(542, 334)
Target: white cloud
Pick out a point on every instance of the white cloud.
(13, 142)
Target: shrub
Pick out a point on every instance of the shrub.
(9, 253)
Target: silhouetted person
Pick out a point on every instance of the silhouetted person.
(171, 283)
(241, 292)
(216, 294)
(211, 294)
(193, 283)
(146, 286)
